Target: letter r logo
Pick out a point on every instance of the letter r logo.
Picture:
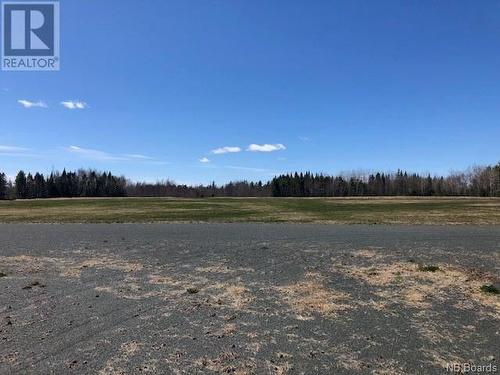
(19, 28)
(28, 28)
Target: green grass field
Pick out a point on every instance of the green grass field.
(310, 210)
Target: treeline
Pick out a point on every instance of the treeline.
(171, 189)
(479, 181)
(63, 185)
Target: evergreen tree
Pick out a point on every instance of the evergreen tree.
(21, 185)
(3, 186)
(30, 186)
(40, 188)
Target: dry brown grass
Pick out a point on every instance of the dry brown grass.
(406, 283)
(222, 268)
(105, 262)
(225, 363)
(67, 267)
(311, 296)
(235, 296)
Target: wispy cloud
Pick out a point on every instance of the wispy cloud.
(4, 148)
(74, 104)
(20, 155)
(305, 139)
(15, 151)
(98, 155)
(204, 160)
(29, 104)
(138, 156)
(92, 154)
(266, 147)
(226, 150)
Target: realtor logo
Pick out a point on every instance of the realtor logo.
(30, 35)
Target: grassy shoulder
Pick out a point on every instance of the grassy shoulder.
(302, 210)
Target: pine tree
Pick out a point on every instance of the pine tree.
(40, 188)
(3, 186)
(30, 186)
(21, 185)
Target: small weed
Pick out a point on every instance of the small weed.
(2, 274)
(428, 268)
(192, 290)
(490, 289)
(399, 279)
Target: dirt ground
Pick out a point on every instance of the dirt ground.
(247, 298)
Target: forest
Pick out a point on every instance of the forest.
(477, 182)
(62, 185)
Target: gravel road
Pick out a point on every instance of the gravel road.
(247, 298)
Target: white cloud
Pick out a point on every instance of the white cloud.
(305, 139)
(204, 160)
(266, 147)
(30, 104)
(226, 150)
(74, 104)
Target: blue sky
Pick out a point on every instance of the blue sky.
(327, 86)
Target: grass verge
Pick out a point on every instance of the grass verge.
(300, 210)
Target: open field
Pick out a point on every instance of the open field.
(247, 298)
(301, 210)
